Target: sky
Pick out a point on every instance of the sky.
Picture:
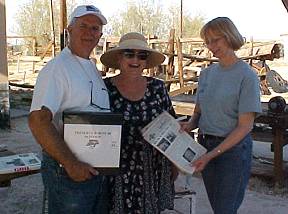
(260, 19)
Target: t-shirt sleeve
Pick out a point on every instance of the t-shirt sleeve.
(201, 85)
(49, 89)
(249, 100)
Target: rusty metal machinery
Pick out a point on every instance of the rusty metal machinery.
(276, 105)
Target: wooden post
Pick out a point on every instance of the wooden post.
(181, 19)
(278, 142)
(63, 23)
(180, 62)
(52, 27)
(170, 70)
(33, 53)
(4, 84)
(34, 46)
(105, 48)
(150, 70)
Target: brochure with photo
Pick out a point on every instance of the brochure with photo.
(19, 163)
(179, 147)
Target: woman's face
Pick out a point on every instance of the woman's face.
(133, 61)
(218, 45)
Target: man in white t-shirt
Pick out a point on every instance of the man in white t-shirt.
(70, 82)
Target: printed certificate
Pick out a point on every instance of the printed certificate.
(95, 138)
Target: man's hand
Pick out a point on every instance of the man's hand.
(51, 141)
(80, 171)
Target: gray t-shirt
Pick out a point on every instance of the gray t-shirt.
(225, 93)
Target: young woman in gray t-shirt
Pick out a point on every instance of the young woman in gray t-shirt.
(228, 99)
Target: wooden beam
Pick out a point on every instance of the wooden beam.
(4, 85)
(183, 90)
(176, 80)
(21, 37)
(34, 58)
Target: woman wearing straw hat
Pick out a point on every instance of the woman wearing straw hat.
(145, 184)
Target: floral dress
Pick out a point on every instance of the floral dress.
(144, 185)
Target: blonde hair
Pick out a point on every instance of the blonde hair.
(223, 26)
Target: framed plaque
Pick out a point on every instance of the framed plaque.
(95, 138)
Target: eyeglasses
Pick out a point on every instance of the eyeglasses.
(91, 98)
(130, 54)
(213, 41)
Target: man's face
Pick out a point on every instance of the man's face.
(85, 33)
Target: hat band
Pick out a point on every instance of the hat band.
(134, 44)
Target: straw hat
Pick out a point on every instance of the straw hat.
(132, 41)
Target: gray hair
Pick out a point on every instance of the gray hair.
(72, 22)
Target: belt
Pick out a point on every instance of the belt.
(211, 137)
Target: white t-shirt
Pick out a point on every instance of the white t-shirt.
(65, 84)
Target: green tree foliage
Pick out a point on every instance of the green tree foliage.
(33, 19)
(191, 25)
(142, 16)
(148, 17)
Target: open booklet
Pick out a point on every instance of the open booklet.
(19, 163)
(179, 147)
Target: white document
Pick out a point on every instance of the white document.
(180, 148)
(19, 163)
(98, 145)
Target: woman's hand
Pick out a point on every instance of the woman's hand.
(192, 124)
(201, 162)
(185, 126)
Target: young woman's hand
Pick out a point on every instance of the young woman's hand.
(201, 162)
(186, 126)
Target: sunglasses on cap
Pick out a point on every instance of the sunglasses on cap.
(141, 55)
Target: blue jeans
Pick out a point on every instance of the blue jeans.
(67, 196)
(227, 176)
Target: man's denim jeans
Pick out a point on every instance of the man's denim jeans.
(227, 176)
(68, 197)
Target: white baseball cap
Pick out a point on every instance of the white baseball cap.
(83, 10)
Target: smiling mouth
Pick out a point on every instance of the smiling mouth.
(134, 65)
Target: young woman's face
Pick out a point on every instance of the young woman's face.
(218, 45)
